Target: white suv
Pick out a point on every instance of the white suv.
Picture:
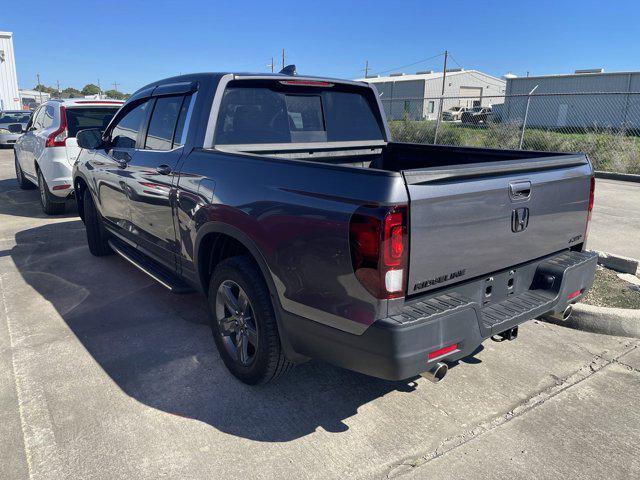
(45, 153)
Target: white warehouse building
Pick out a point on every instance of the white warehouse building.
(9, 95)
(417, 96)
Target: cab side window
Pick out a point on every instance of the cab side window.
(125, 133)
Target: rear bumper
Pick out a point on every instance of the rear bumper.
(397, 347)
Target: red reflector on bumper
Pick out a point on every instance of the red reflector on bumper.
(574, 294)
(442, 351)
(61, 187)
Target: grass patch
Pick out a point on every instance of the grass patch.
(609, 291)
(608, 150)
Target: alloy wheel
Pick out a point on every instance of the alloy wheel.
(236, 322)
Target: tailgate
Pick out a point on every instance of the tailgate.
(470, 220)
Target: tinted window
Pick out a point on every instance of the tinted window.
(163, 123)
(89, 117)
(14, 117)
(181, 133)
(47, 119)
(271, 115)
(124, 134)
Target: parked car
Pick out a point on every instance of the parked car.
(454, 113)
(47, 148)
(476, 115)
(12, 117)
(312, 234)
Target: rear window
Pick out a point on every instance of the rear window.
(89, 117)
(14, 117)
(278, 114)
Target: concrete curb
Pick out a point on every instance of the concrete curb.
(624, 177)
(621, 322)
(617, 262)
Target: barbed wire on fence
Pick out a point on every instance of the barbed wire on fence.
(605, 125)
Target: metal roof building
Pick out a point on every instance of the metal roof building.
(417, 96)
(585, 99)
(9, 96)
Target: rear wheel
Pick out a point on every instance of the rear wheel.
(22, 180)
(50, 204)
(97, 236)
(244, 325)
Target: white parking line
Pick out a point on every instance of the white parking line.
(40, 448)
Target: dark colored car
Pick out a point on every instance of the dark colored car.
(476, 115)
(283, 199)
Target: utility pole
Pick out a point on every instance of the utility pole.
(58, 84)
(39, 88)
(283, 58)
(271, 65)
(115, 86)
(99, 89)
(366, 69)
(444, 79)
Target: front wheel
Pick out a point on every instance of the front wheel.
(49, 205)
(97, 236)
(243, 322)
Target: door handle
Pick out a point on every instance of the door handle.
(520, 190)
(163, 169)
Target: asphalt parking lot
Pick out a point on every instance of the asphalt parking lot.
(104, 374)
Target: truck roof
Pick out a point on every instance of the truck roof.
(190, 77)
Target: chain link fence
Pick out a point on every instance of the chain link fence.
(606, 126)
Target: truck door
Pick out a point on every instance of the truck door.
(151, 175)
(111, 166)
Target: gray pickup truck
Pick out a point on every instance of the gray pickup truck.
(284, 200)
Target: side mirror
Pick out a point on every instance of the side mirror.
(16, 128)
(91, 139)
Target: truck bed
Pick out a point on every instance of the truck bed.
(465, 204)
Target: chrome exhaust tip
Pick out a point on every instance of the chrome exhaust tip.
(436, 373)
(567, 312)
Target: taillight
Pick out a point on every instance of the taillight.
(59, 137)
(378, 239)
(592, 191)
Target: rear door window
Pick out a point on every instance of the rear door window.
(88, 117)
(260, 114)
(125, 133)
(164, 120)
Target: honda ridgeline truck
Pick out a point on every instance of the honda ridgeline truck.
(285, 201)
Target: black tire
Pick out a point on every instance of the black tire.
(50, 204)
(269, 361)
(97, 236)
(23, 183)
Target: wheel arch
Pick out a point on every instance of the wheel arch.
(213, 235)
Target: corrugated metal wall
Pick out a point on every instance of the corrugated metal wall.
(9, 95)
(580, 111)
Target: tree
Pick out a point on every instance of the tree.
(71, 92)
(44, 89)
(115, 94)
(90, 89)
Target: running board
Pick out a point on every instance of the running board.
(159, 273)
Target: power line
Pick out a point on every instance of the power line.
(410, 64)
(473, 75)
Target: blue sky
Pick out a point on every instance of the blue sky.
(134, 43)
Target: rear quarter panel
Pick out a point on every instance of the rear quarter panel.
(297, 215)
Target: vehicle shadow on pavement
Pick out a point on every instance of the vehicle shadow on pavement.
(158, 347)
(26, 203)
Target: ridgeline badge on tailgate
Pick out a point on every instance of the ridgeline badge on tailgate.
(440, 279)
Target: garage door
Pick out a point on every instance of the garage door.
(472, 94)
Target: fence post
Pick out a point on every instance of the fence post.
(526, 114)
(435, 134)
